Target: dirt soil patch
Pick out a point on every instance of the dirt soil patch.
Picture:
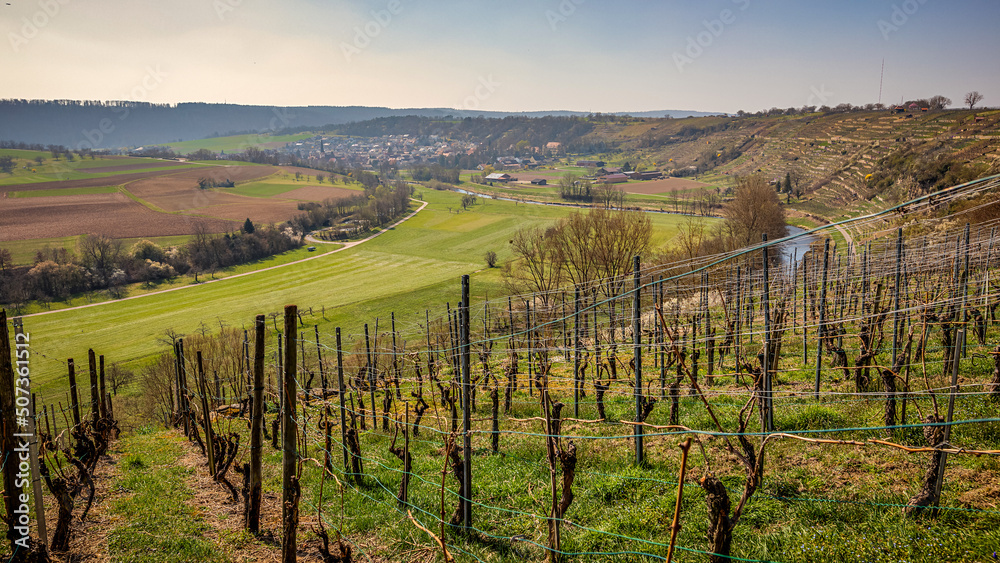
(112, 214)
(85, 183)
(180, 191)
(89, 538)
(225, 517)
(665, 185)
(320, 193)
(303, 171)
(126, 167)
(257, 210)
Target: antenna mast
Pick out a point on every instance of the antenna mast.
(880, 77)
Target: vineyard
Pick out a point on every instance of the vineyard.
(837, 405)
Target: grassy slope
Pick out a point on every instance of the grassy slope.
(414, 267)
(162, 525)
(23, 251)
(66, 191)
(233, 143)
(59, 170)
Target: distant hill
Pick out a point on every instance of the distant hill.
(91, 124)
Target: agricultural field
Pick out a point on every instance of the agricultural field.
(28, 171)
(844, 451)
(235, 143)
(148, 199)
(348, 285)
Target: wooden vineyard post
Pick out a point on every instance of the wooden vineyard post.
(72, 391)
(895, 308)
(661, 341)
(319, 359)
(343, 411)
(209, 439)
(36, 480)
(289, 434)
(179, 405)
(766, 412)
(32, 431)
(8, 443)
(257, 429)
(466, 407)
(805, 310)
(101, 389)
(637, 356)
(955, 359)
(182, 389)
(739, 318)
(576, 354)
(95, 404)
(370, 375)
(820, 329)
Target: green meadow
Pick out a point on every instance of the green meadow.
(232, 143)
(28, 171)
(406, 270)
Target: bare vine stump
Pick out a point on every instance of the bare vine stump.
(720, 530)
(994, 387)
(925, 497)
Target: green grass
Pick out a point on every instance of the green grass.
(233, 143)
(66, 191)
(406, 270)
(160, 522)
(72, 171)
(23, 251)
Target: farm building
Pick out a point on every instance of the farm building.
(498, 177)
(539, 181)
(653, 175)
(597, 163)
(614, 179)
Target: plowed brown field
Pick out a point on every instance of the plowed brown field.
(115, 180)
(114, 215)
(256, 209)
(180, 192)
(665, 185)
(125, 167)
(319, 193)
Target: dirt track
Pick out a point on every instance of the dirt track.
(114, 215)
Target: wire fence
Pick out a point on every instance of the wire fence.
(858, 347)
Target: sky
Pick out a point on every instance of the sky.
(514, 55)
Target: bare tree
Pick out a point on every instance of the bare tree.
(973, 98)
(755, 209)
(537, 265)
(119, 377)
(609, 196)
(938, 102)
(102, 255)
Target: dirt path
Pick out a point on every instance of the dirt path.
(89, 538)
(224, 518)
(344, 246)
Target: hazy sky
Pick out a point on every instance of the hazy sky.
(587, 55)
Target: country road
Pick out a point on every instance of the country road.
(344, 246)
